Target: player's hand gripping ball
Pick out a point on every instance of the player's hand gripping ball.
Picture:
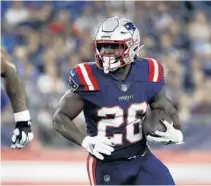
(158, 127)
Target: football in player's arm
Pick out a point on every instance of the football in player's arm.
(15, 89)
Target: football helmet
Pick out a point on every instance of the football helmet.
(116, 43)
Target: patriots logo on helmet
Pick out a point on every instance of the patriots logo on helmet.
(130, 26)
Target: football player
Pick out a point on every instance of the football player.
(114, 93)
(22, 133)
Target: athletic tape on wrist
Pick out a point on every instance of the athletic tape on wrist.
(22, 116)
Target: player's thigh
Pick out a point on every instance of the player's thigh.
(153, 172)
(104, 173)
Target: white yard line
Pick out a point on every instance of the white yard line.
(76, 172)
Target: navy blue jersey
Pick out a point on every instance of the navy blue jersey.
(115, 108)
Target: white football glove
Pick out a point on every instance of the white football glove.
(171, 135)
(22, 134)
(98, 145)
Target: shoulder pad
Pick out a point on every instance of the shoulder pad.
(151, 70)
(81, 78)
(155, 70)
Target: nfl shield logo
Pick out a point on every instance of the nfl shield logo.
(124, 87)
(107, 178)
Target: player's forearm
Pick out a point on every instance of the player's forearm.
(176, 120)
(168, 107)
(15, 89)
(67, 128)
(163, 103)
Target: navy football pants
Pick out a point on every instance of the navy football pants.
(143, 170)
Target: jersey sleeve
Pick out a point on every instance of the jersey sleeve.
(81, 79)
(156, 77)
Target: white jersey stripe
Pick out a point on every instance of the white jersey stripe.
(86, 77)
(156, 69)
(90, 164)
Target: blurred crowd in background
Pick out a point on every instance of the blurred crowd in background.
(46, 39)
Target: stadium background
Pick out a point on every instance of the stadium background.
(46, 39)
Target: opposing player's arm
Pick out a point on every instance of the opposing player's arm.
(69, 107)
(22, 134)
(160, 101)
(13, 84)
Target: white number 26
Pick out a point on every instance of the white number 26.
(116, 120)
